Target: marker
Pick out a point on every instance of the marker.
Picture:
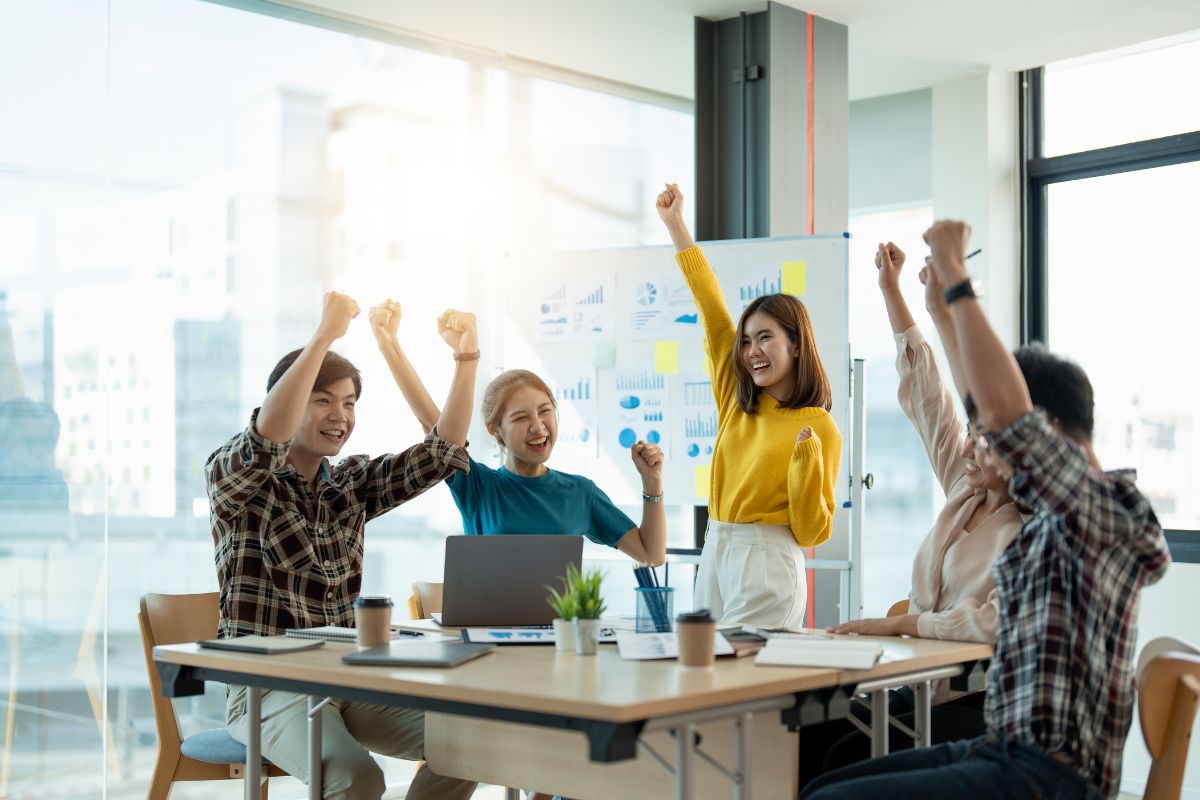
(974, 253)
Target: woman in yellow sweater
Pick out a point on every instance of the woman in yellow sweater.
(777, 452)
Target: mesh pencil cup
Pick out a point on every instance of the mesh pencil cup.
(653, 610)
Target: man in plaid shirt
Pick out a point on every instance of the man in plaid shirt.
(1060, 688)
(288, 531)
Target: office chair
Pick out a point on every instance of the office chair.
(426, 599)
(1168, 687)
(209, 756)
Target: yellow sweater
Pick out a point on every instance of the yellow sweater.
(760, 473)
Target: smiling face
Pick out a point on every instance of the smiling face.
(979, 467)
(768, 354)
(528, 426)
(328, 419)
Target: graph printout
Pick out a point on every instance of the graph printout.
(574, 388)
(660, 307)
(640, 408)
(577, 309)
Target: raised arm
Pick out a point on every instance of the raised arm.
(647, 544)
(284, 405)
(991, 373)
(935, 303)
(459, 330)
(889, 261)
(385, 323)
(719, 332)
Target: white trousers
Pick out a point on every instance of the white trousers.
(752, 574)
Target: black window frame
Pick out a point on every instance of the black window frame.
(1038, 173)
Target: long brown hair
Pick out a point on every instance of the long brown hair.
(811, 389)
(491, 407)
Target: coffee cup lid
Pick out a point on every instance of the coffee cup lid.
(699, 615)
(373, 601)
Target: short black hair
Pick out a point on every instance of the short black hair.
(1061, 387)
(333, 369)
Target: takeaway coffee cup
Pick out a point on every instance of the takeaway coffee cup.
(694, 631)
(373, 620)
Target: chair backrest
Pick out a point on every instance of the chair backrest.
(899, 608)
(1168, 685)
(173, 619)
(426, 599)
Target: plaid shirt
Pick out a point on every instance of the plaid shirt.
(291, 557)
(1062, 674)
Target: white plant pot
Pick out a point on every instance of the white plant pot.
(564, 635)
(587, 631)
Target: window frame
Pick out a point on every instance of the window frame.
(1038, 173)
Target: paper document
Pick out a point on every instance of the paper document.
(837, 654)
(644, 646)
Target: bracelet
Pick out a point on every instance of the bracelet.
(652, 498)
(467, 356)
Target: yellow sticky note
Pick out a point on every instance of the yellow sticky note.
(795, 277)
(702, 474)
(666, 357)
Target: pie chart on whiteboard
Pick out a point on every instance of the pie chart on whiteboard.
(647, 294)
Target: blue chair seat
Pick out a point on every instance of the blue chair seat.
(215, 747)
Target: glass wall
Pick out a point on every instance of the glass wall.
(179, 184)
(900, 508)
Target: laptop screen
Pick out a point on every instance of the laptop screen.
(502, 579)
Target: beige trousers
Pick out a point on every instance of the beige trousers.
(348, 731)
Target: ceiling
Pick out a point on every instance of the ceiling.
(895, 45)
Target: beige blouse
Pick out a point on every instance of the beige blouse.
(952, 587)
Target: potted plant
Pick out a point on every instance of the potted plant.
(589, 606)
(565, 606)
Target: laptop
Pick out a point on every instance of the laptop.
(418, 654)
(499, 581)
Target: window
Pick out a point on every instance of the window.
(900, 509)
(168, 222)
(1110, 272)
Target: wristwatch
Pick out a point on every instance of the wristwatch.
(652, 498)
(967, 288)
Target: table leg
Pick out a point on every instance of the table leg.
(684, 736)
(314, 747)
(879, 723)
(923, 714)
(253, 742)
(743, 762)
(512, 794)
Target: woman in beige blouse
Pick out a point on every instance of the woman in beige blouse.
(953, 595)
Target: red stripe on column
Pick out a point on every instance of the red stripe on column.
(809, 620)
(810, 147)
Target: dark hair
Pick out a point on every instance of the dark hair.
(333, 369)
(1061, 387)
(811, 389)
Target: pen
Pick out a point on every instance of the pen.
(974, 253)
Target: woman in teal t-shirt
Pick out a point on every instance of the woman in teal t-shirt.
(525, 495)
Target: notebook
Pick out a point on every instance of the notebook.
(836, 654)
(336, 633)
(266, 645)
(419, 654)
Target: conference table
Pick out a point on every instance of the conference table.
(594, 726)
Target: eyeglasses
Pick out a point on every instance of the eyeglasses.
(977, 436)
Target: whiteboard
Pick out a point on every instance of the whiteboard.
(596, 323)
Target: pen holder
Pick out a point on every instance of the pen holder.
(653, 612)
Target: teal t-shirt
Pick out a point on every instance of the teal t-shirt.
(496, 501)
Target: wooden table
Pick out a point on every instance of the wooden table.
(494, 718)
